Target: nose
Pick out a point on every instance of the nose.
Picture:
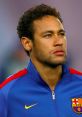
(58, 41)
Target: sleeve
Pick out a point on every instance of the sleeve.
(2, 105)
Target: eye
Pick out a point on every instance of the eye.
(47, 35)
(62, 33)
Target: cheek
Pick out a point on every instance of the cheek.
(37, 48)
(41, 50)
(65, 46)
(41, 46)
(65, 43)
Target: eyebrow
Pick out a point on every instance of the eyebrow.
(61, 30)
(50, 31)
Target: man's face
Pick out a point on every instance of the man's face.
(49, 45)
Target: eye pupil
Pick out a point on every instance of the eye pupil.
(62, 33)
(47, 35)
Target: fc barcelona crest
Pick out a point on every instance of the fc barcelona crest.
(77, 105)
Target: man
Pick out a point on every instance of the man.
(46, 88)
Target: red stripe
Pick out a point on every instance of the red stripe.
(73, 71)
(14, 76)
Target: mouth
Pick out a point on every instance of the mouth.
(58, 52)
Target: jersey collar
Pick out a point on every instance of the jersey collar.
(36, 76)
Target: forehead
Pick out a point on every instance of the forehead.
(47, 23)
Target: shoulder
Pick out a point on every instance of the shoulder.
(3, 105)
(9, 83)
(75, 74)
(13, 77)
(74, 71)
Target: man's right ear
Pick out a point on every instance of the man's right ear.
(27, 43)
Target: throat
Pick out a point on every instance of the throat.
(51, 82)
(51, 76)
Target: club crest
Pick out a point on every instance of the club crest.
(77, 105)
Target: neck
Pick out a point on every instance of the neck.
(51, 75)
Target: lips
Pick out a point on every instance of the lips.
(58, 52)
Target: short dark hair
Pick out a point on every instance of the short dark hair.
(25, 24)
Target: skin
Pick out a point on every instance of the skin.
(48, 49)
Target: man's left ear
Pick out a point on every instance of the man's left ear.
(27, 43)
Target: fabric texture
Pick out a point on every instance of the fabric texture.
(27, 95)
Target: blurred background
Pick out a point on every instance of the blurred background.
(12, 56)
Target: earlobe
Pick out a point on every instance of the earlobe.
(27, 43)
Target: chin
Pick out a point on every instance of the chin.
(59, 62)
(54, 63)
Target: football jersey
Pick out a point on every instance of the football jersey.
(25, 94)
